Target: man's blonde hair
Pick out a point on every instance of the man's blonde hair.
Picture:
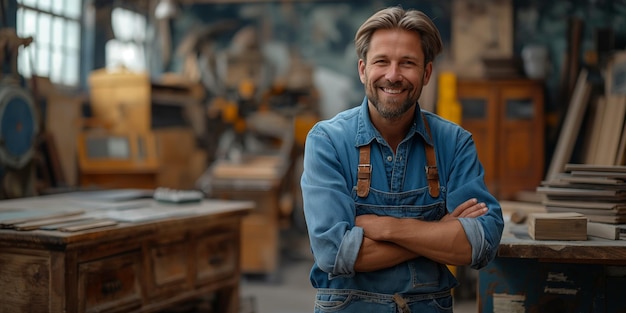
(398, 18)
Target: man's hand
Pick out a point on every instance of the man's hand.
(469, 208)
(374, 226)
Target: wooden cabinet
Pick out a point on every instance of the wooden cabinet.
(146, 266)
(506, 119)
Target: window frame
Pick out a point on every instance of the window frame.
(50, 59)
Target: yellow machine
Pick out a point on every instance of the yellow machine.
(448, 105)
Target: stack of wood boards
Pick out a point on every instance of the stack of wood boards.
(597, 191)
(557, 226)
(599, 120)
(66, 221)
(606, 141)
(606, 137)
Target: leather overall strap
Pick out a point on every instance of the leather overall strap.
(432, 174)
(364, 171)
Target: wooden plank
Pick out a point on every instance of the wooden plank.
(576, 28)
(595, 168)
(596, 129)
(10, 218)
(620, 157)
(607, 231)
(571, 126)
(612, 125)
(618, 134)
(62, 118)
(89, 225)
(615, 89)
(38, 223)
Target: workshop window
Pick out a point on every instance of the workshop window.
(127, 49)
(56, 30)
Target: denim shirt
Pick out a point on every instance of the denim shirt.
(400, 189)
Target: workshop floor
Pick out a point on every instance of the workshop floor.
(290, 291)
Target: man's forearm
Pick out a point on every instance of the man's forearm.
(444, 242)
(376, 255)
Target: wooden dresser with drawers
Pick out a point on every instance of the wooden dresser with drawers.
(145, 265)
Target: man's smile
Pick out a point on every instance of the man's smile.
(392, 90)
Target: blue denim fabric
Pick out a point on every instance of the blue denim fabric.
(398, 188)
(338, 300)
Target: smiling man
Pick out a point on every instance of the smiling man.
(392, 194)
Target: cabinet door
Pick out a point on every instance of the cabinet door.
(479, 116)
(521, 138)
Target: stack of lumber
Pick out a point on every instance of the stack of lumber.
(596, 191)
(598, 119)
(606, 136)
(596, 188)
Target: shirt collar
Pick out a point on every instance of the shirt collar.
(366, 132)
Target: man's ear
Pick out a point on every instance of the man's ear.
(428, 70)
(362, 70)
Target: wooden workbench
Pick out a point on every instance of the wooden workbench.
(553, 276)
(148, 263)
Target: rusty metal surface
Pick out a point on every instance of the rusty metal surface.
(508, 284)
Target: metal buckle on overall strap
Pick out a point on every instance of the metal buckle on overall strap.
(432, 175)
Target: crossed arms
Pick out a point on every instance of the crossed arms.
(389, 241)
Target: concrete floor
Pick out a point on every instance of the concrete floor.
(291, 291)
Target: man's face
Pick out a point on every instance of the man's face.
(394, 72)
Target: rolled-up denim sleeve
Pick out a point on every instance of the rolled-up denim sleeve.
(482, 250)
(347, 253)
(329, 209)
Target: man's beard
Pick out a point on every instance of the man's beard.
(391, 109)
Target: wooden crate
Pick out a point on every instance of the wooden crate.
(121, 99)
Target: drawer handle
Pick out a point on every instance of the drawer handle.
(216, 259)
(111, 287)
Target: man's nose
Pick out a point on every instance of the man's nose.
(393, 73)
